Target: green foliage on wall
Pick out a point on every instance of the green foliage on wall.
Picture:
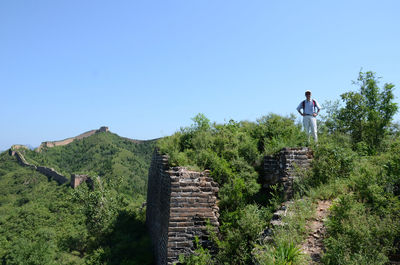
(356, 165)
(233, 152)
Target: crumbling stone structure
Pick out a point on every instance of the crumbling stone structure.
(16, 147)
(179, 203)
(49, 172)
(77, 180)
(283, 167)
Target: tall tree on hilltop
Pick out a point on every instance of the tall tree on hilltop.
(368, 112)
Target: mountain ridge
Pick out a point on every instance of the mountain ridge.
(69, 140)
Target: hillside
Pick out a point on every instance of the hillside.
(45, 223)
(71, 139)
(104, 154)
(345, 210)
(38, 220)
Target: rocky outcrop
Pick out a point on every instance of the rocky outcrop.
(179, 203)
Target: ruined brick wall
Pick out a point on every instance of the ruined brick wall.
(58, 143)
(21, 159)
(103, 129)
(179, 202)
(158, 204)
(77, 180)
(283, 167)
(49, 172)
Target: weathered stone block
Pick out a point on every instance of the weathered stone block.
(282, 167)
(179, 202)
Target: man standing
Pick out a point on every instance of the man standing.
(310, 109)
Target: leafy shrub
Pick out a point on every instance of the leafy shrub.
(392, 168)
(233, 153)
(241, 229)
(331, 161)
(41, 250)
(201, 256)
(357, 235)
(367, 113)
(275, 132)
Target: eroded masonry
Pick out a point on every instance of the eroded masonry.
(51, 173)
(285, 166)
(179, 203)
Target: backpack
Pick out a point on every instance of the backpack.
(304, 104)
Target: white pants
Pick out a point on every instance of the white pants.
(310, 126)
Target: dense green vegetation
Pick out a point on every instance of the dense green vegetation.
(104, 155)
(44, 223)
(356, 165)
(234, 152)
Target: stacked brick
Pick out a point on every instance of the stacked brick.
(284, 166)
(179, 204)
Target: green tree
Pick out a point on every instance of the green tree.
(100, 205)
(368, 112)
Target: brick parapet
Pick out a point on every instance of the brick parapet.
(180, 202)
(283, 167)
(51, 173)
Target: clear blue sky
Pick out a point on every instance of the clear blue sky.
(145, 68)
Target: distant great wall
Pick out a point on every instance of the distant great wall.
(75, 181)
(51, 173)
(70, 140)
